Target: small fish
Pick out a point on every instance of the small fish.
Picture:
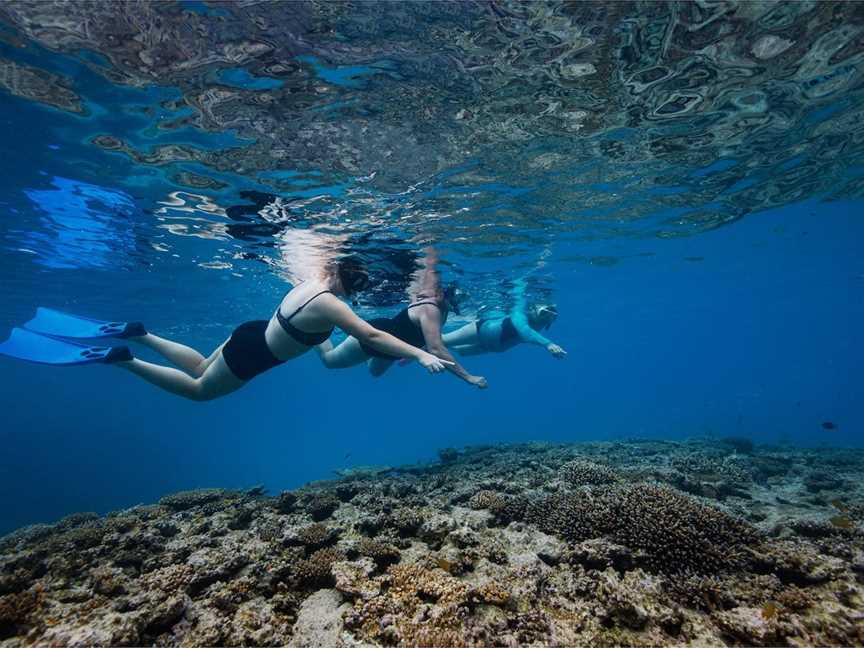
(347, 454)
(769, 611)
(829, 425)
(842, 522)
(446, 565)
(839, 505)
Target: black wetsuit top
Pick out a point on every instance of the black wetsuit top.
(400, 327)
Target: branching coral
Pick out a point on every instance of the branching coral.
(382, 552)
(192, 498)
(673, 532)
(16, 610)
(587, 473)
(425, 607)
(677, 533)
(505, 508)
(316, 536)
(320, 505)
(314, 572)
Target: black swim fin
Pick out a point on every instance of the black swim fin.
(33, 347)
(52, 322)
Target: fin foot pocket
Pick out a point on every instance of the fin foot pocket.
(132, 329)
(118, 354)
(52, 322)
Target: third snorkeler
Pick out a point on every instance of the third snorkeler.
(499, 332)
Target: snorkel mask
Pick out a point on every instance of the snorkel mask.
(549, 313)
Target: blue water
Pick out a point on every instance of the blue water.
(707, 291)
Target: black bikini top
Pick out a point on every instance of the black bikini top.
(424, 302)
(303, 337)
(428, 302)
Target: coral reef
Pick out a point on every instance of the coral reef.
(581, 473)
(533, 544)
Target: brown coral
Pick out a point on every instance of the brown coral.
(321, 505)
(192, 498)
(392, 618)
(587, 473)
(316, 535)
(505, 508)
(382, 552)
(673, 532)
(16, 611)
(677, 533)
(314, 572)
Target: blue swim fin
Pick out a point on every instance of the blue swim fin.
(30, 346)
(51, 322)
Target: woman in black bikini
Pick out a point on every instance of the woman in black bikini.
(418, 324)
(313, 309)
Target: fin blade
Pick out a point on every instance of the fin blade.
(33, 347)
(53, 322)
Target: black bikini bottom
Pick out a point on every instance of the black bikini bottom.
(246, 353)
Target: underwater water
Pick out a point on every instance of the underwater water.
(684, 181)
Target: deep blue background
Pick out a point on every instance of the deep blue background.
(761, 337)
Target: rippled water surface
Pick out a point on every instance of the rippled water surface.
(204, 134)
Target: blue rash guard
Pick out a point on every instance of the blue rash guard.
(503, 333)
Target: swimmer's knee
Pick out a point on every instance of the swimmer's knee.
(200, 393)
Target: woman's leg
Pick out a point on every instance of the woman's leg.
(468, 349)
(187, 358)
(349, 353)
(467, 335)
(217, 380)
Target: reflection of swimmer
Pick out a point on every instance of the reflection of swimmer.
(418, 324)
(499, 332)
(305, 317)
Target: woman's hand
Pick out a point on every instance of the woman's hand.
(433, 364)
(478, 381)
(556, 351)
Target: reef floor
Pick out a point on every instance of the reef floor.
(638, 542)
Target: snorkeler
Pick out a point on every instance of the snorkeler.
(499, 332)
(305, 317)
(418, 324)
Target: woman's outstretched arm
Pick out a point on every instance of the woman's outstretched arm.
(430, 324)
(343, 317)
(519, 317)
